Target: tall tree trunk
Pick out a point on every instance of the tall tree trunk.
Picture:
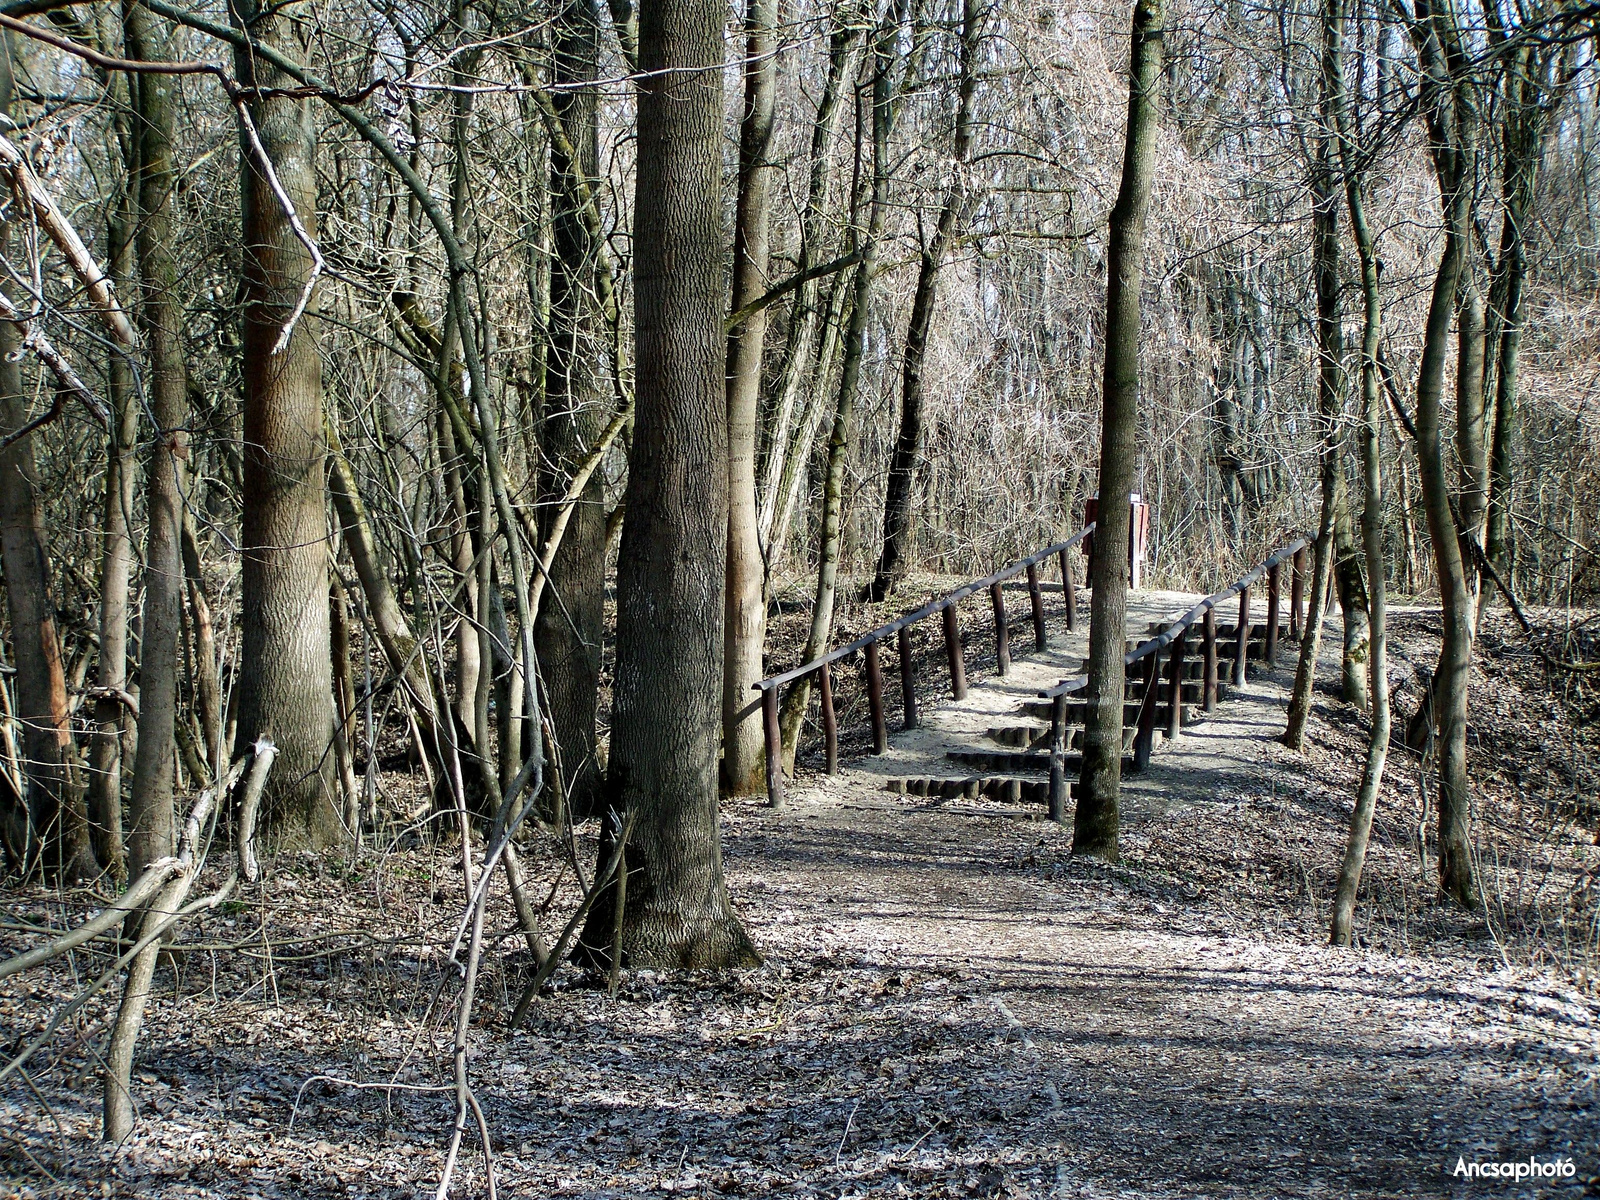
(1525, 126)
(745, 622)
(1472, 451)
(798, 698)
(1449, 103)
(791, 437)
(1330, 404)
(1352, 591)
(150, 803)
(53, 824)
(1095, 825)
(663, 763)
(570, 633)
(1372, 488)
(286, 681)
(908, 444)
(793, 473)
(111, 715)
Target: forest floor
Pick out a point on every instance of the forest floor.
(951, 1005)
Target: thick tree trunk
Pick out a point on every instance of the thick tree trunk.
(663, 763)
(1095, 826)
(745, 622)
(908, 444)
(286, 684)
(51, 830)
(150, 802)
(853, 340)
(569, 634)
(1372, 480)
(1330, 405)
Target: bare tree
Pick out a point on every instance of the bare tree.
(1095, 825)
(663, 764)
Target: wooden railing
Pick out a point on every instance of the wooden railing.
(1175, 636)
(900, 630)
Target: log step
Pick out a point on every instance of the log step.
(1022, 737)
(1006, 788)
(1031, 761)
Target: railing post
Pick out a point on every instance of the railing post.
(1069, 589)
(1144, 737)
(952, 650)
(880, 732)
(1175, 667)
(769, 718)
(1058, 766)
(1243, 638)
(1274, 575)
(1002, 634)
(1041, 639)
(1208, 691)
(1297, 592)
(830, 723)
(908, 683)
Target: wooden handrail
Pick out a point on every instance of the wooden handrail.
(1164, 639)
(923, 613)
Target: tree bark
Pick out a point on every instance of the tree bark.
(1095, 824)
(908, 444)
(569, 634)
(150, 801)
(286, 684)
(745, 621)
(663, 763)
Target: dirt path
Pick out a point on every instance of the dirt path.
(951, 1006)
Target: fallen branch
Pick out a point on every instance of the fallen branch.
(153, 878)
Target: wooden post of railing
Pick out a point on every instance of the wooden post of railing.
(1069, 589)
(1144, 736)
(952, 650)
(769, 718)
(1175, 668)
(1058, 751)
(908, 683)
(830, 722)
(880, 731)
(1208, 691)
(1041, 640)
(1297, 593)
(1002, 634)
(1274, 575)
(1243, 640)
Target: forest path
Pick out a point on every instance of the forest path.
(1130, 1042)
